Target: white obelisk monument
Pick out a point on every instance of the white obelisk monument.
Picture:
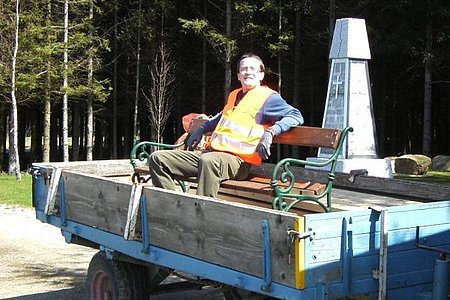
(349, 99)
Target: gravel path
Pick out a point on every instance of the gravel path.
(36, 263)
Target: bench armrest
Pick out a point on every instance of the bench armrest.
(283, 172)
(142, 150)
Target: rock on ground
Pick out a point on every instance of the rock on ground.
(440, 163)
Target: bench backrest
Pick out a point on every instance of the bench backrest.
(299, 136)
(310, 136)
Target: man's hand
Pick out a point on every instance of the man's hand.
(263, 147)
(195, 138)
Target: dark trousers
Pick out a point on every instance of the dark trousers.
(210, 168)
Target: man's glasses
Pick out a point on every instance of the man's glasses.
(249, 70)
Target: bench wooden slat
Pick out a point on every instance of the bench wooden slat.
(258, 185)
(305, 188)
(266, 180)
(310, 137)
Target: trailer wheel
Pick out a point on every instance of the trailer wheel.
(115, 280)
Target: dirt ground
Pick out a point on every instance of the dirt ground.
(36, 263)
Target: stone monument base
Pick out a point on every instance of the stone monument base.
(375, 167)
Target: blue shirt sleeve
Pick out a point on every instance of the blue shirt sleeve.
(211, 124)
(277, 110)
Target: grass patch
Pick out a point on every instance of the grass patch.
(435, 177)
(14, 192)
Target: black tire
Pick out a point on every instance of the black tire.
(116, 280)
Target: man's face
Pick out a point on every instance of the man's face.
(250, 74)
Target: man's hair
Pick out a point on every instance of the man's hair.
(262, 68)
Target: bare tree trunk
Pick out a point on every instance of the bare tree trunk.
(76, 115)
(65, 114)
(3, 134)
(280, 28)
(227, 86)
(14, 161)
(280, 16)
(90, 100)
(160, 102)
(204, 75)
(204, 64)
(47, 98)
(114, 116)
(297, 57)
(297, 60)
(427, 99)
(138, 64)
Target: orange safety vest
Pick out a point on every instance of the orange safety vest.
(237, 131)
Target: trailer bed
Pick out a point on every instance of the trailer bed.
(303, 254)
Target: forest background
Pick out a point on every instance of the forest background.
(93, 77)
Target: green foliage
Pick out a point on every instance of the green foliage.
(41, 49)
(225, 46)
(267, 24)
(6, 42)
(16, 192)
(435, 177)
(196, 25)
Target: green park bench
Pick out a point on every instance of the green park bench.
(281, 189)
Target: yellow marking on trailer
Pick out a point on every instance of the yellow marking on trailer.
(300, 282)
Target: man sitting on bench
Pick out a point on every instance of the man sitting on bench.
(242, 134)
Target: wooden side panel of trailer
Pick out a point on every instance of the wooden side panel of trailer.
(96, 201)
(224, 233)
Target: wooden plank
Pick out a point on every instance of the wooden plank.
(310, 137)
(96, 201)
(221, 232)
(301, 187)
(259, 188)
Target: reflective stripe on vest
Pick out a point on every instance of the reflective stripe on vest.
(237, 131)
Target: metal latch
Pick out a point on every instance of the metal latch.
(293, 235)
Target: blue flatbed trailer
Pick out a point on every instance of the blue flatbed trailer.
(376, 252)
